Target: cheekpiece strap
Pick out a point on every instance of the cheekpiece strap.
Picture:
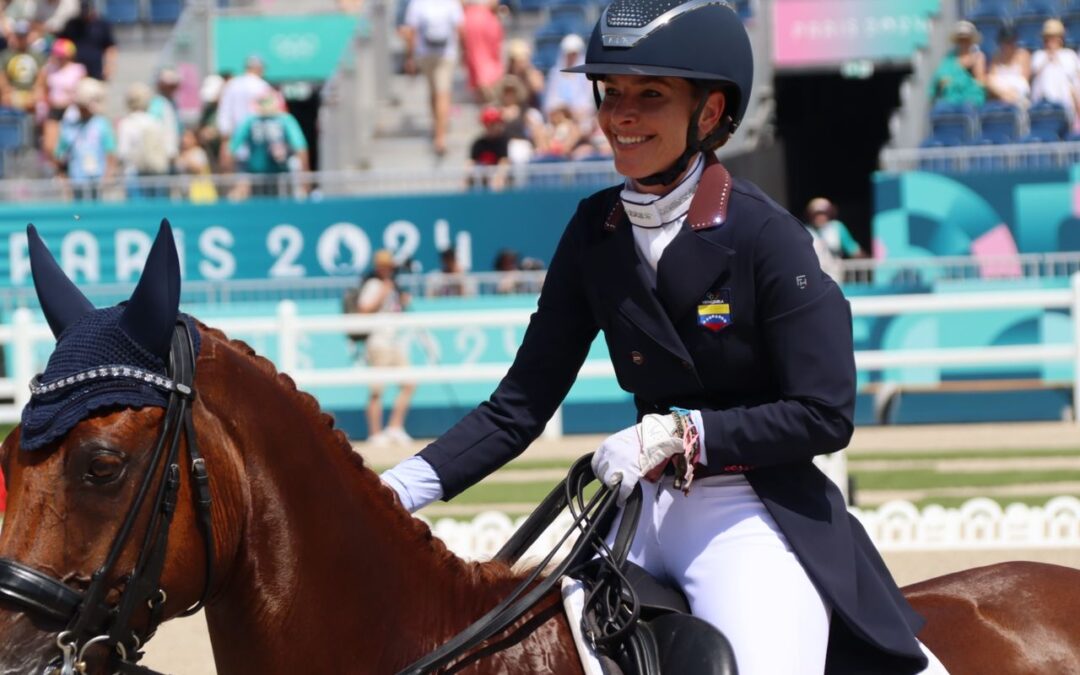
(37, 388)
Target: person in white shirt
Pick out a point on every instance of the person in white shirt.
(237, 103)
(1056, 71)
(432, 32)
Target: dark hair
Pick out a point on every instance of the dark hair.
(1007, 34)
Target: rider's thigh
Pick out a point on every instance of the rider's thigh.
(736, 568)
(645, 550)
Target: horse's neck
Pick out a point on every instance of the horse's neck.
(324, 551)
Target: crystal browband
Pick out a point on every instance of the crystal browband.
(108, 373)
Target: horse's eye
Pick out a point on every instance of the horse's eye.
(104, 467)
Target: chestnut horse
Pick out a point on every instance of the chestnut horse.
(317, 569)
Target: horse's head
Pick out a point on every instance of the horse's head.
(96, 471)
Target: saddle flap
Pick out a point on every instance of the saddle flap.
(691, 646)
(654, 597)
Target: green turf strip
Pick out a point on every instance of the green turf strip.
(928, 479)
(965, 454)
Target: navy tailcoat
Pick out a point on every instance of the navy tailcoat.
(772, 372)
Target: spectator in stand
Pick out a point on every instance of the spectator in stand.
(194, 161)
(450, 280)
(237, 102)
(163, 108)
(207, 129)
(960, 79)
(561, 134)
(269, 143)
(1056, 71)
(506, 263)
(567, 89)
(142, 144)
(832, 239)
(22, 72)
(482, 43)
(86, 151)
(523, 124)
(519, 64)
(93, 38)
(45, 16)
(489, 152)
(385, 349)
(1009, 77)
(62, 76)
(432, 31)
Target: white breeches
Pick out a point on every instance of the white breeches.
(722, 548)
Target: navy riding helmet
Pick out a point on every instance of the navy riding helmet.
(700, 40)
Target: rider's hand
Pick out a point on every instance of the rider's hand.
(660, 439)
(641, 450)
(616, 461)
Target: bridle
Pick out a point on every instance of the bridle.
(88, 619)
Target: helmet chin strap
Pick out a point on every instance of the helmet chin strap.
(693, 147)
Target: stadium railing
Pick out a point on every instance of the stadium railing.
(975, 158)
(22, 336)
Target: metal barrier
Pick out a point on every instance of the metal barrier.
(288, 327)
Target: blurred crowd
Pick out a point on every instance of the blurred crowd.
(1014, 75)
(527, 115)
(56, 65)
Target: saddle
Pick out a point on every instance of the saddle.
(664, 639)
(633, 625)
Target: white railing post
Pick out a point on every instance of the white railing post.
(288, 337)
(553, 430)
(22, 347)
(1076, 346)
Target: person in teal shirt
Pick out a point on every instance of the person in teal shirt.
(269, 142)
(961, 76)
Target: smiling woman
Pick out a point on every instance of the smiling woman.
(738, 351)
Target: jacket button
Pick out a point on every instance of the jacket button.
(637, 358)
(686, 365)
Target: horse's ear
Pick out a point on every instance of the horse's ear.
(61, 300)
(151, 312)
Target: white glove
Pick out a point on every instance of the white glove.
(616, 461)
(660, 440)
(624, 457)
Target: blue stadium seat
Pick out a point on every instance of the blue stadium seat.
(989, 19)
(1048, 121)
(999, 123)
(569, 17)
(165, 11)
(546, 49)
(122, 11)
(13, 125)
(1072, 29)
(953, 125)
(1029, 22)
(993, 5)
(533, 5)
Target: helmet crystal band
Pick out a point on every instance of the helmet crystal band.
(623, 25)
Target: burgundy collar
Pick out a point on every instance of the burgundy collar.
(709, 206)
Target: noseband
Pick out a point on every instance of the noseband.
(89, 620)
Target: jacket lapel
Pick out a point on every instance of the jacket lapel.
(695, 258)
(632, 294)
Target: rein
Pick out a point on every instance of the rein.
(89, 620)
(592, 519)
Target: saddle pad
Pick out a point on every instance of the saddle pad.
(934, 667)
(573, 596)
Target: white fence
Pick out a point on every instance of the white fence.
(978, 524)
(288, 328)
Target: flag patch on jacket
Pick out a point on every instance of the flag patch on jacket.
(714, 311)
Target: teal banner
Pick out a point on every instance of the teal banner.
(293, 47)
(269, 239)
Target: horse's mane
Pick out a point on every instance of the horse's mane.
(330, 436)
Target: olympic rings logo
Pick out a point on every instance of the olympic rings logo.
(295, 47)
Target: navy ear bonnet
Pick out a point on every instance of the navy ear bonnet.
(104, 358)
